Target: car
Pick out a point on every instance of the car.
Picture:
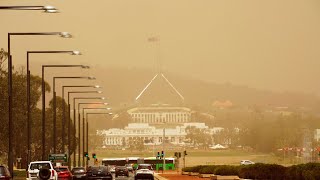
(144, 171)
(121, 171)
(63, 173)
(99, 172)
(79, 173)
(35, 167)
(129, 167)
(246, 162)
(4, 173)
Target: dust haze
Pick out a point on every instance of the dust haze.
(272, 45)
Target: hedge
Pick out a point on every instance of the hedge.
(19, 173)
(309, 171)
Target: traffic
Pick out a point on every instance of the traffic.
(111, 168)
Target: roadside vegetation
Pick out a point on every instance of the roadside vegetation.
(261, 171)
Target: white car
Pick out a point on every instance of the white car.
(144, 171)
(246, 162)
(34, 168)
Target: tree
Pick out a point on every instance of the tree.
(19, 116)
(136, 144)
(199, 137)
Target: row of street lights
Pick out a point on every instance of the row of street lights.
(50, 9)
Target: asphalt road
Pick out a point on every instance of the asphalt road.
(131, 177)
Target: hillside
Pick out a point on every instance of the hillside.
(124, 85)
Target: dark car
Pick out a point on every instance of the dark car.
(98, 172)
(4, 173)
(121, 171)
(79, 173)
(63, 172)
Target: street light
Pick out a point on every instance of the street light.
(87, 124)
(63, 109)
(55, 104)
(10, 126)
(46, 9)
(69, 124)
(44, 101)
(74, 117)
(83, 124)
(29, 91)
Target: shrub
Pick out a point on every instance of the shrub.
(226, 170)
(262, 171)
(309, 171)
(19, 173)
(193, 169)
(208, 169)
(304, 171)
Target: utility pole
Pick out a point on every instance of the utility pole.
(163, 141)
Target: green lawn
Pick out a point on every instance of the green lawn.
(194, 153)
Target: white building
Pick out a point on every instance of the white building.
(160, 114)
(150, 134)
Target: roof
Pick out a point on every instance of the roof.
(158, 109)
(40, 162)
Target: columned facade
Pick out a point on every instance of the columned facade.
(160, 114)
(149, 135)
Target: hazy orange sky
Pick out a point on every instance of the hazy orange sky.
(269, 44)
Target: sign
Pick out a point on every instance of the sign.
(58, 157)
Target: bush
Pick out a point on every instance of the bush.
(193, 169)
(262, 171)
(309, 171)
(304, 171)
(208, 169)
(226, 170)
(19, 173)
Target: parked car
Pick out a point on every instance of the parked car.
(129, 167)
(246, 162)
(79, 173)
(144, 171)
(4, 173)
(99, 172)
(63, 172)
(35, 167)
(121, 171)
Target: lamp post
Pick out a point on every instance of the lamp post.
(74, 117)
(29, 120)
(87, 124)
(63, 113)
(55, 104)
(46, 9)
(10, 126)
(83, 123)
(44, 102)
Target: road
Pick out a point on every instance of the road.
(131, 177)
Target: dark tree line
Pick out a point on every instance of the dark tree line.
(19, 116)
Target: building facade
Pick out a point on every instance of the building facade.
(150, 135)
(160, 115)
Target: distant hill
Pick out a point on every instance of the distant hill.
(124, 85)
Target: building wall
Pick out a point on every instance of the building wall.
(155, 115)
(149, 134)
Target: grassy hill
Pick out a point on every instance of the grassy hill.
(124, 85)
